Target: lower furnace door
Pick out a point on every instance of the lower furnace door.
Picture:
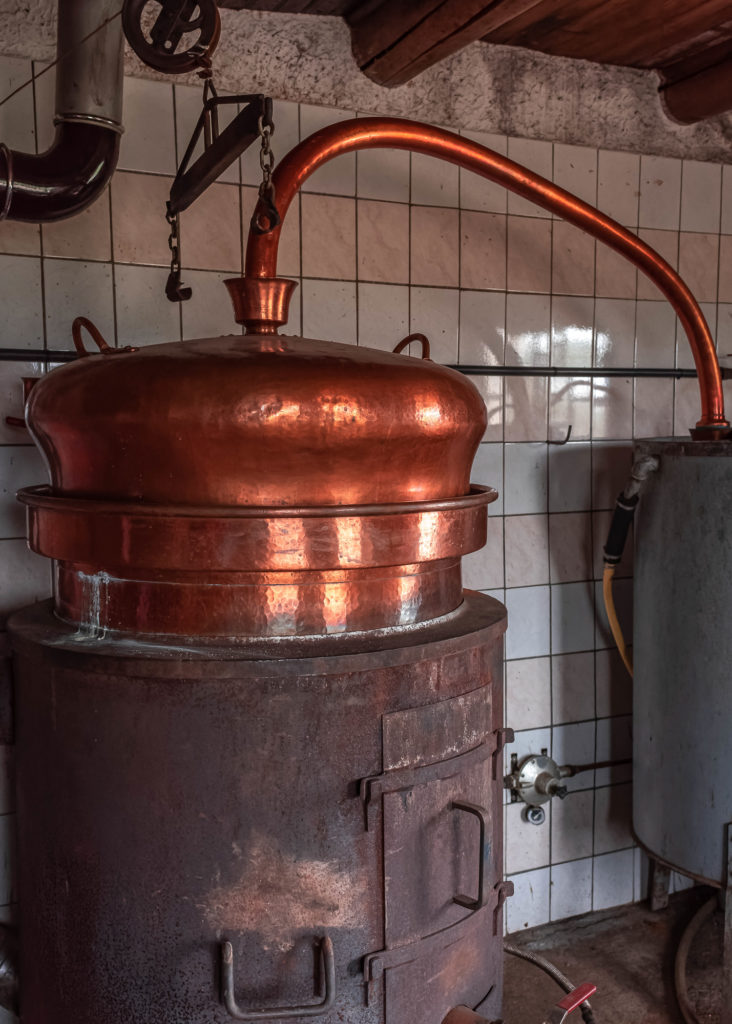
(439, 846)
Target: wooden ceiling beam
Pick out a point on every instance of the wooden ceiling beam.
(689, 42)
(395, 40)
(705, 94)
(696, 54)
(614, 31)
(697, 58)
(287, 6)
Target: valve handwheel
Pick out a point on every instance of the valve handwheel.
(155, 38)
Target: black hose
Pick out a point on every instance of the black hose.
(682, 953)
(619, 525)
(561, 979)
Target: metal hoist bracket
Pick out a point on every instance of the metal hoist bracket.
(164, 45)
(221, 148)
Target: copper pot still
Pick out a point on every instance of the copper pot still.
(260, 729)
(280, 486)
(260, 725)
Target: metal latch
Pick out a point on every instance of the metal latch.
(504, 889)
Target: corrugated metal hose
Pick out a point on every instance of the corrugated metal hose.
(545, 965)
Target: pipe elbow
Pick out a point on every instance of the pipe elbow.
(65, 179)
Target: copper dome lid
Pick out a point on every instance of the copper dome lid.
(257, 420)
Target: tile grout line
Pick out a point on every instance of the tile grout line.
(547, 393)
(592, 541)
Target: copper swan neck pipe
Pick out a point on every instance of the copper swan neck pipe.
(394, 133)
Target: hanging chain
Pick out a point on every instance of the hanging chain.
(175, 290)
(173, 239)
(265, 217)
(266, 156)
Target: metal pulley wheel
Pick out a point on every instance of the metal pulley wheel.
(155, 29)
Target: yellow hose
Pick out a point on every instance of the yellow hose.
(612, 617)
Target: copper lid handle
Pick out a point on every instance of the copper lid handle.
(409, 339)
(97, 337)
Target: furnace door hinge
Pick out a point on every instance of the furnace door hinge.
(503, 738)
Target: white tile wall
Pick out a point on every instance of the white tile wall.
(490, 278)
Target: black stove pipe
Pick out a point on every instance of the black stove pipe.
(74, 171)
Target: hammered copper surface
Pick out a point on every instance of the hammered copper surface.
(258, 604)
(257, 420)
(172, 797)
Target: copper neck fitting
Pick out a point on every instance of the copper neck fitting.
(261, 304)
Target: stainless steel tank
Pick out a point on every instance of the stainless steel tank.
(682, 705)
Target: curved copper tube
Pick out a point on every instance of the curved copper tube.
(393, 133)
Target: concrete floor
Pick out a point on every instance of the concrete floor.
(629, 954)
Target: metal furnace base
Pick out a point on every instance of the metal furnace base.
(272, 795)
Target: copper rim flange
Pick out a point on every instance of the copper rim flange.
(241, 572)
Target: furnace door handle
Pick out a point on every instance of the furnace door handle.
(327, 961)
(483, 855)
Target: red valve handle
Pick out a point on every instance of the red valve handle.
(577, 997)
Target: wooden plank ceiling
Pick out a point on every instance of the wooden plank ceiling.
(689, 42)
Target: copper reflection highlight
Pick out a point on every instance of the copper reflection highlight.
(393, 133)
